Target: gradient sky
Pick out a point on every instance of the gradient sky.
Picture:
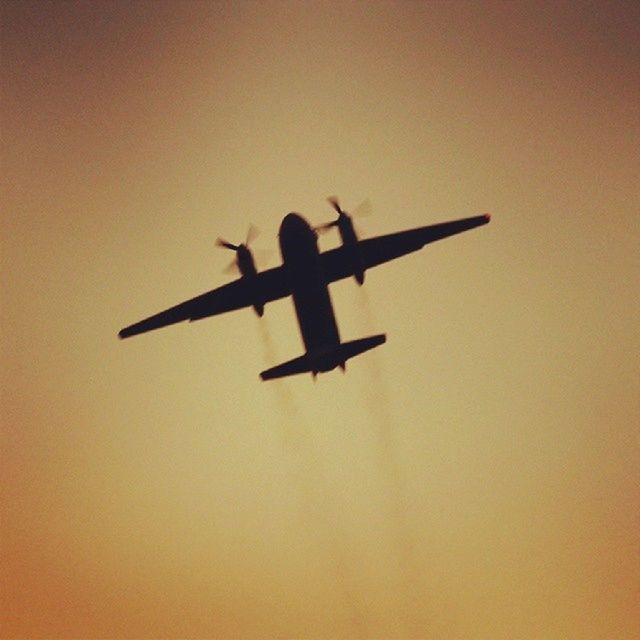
(475, 477)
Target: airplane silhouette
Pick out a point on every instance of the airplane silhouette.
(305, 274)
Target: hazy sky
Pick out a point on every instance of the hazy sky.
(475, 477)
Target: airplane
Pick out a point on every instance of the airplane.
(305, 274)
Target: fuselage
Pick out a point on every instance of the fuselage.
(311, 299)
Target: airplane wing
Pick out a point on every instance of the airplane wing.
(338, 263)
(268, 285)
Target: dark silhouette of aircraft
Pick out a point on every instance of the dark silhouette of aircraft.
(305, 274)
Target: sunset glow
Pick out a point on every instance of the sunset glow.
(476, 476)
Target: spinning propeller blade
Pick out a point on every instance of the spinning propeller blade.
(220, 242)
(252, 233)
(363, 210)
(232, 267)
(333, 201)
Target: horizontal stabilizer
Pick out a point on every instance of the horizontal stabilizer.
(300, 364)
(326, 361)
(356, 347)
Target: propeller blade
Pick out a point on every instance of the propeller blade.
(232, 267)
(333, 201)
(227, 245)
(363, 210)
(322, 228)
(252, 233)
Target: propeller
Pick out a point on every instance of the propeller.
(242, 249)
(333, 201)
(244, 263)
(232, 267)
(252, 233)
(228, 245)
(363, 209)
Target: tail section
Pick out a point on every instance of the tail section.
(289, 368)
(356, 347)
(326, 361)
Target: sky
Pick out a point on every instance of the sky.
(474, 477)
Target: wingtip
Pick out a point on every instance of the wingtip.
(487, 217)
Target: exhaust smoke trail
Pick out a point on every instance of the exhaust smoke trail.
(410, 577)
(283, 395)
(316, 507)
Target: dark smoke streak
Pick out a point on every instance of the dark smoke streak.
(315, 504)
(409, 574)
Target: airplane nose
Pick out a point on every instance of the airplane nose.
(294, 223)
(296, 237)
(291, 220)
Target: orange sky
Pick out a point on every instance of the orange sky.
(475, 477)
